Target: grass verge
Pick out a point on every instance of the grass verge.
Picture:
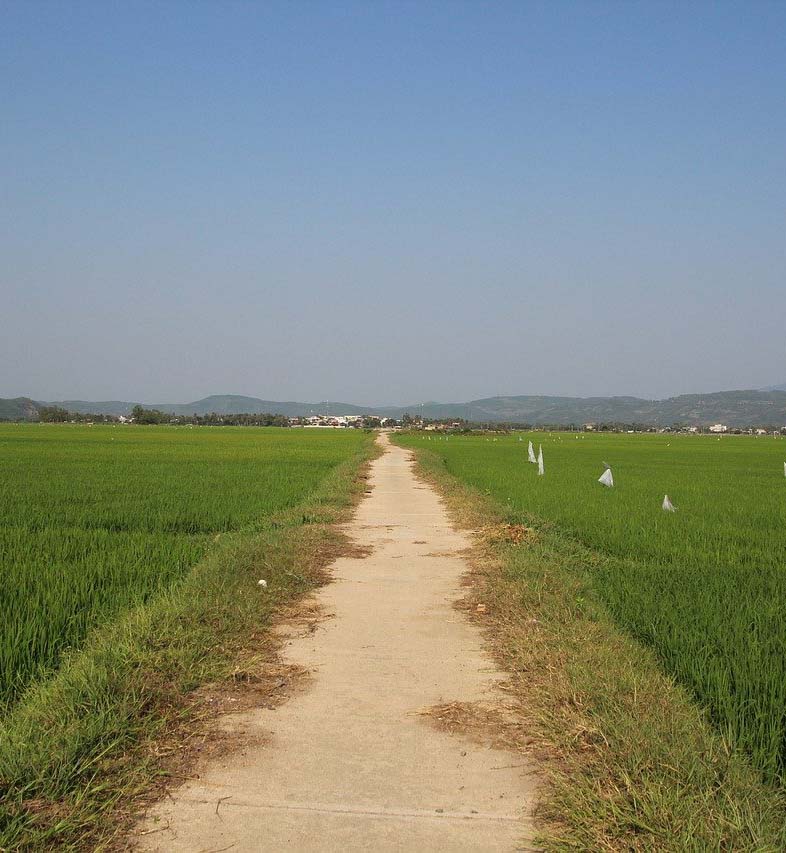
(630, 761)
(80, 750)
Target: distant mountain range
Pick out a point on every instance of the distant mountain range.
(734, 408)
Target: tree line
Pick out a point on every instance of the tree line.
(142, 415)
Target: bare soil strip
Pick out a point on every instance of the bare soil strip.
(362, 759)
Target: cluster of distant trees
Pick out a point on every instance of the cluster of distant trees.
(371, 422)
(141, 415)
(58, 415)
(154, 416)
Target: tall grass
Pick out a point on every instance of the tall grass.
(79, 749)
(95, 520)
(705, 587)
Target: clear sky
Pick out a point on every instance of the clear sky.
(391, 202)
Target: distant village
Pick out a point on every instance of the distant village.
(141, 415)
(343, 421)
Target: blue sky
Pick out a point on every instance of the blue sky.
(391, 202)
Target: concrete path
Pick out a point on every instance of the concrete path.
(349, 764)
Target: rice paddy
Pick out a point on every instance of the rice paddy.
(94, 520)
(705, 586)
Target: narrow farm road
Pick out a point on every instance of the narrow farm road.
(351, 763)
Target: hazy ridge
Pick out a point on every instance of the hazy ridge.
(734, 408)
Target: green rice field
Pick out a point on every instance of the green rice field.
(705, 586)
(94, 520)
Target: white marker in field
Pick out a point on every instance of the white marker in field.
(531, 454)
(607, 478)
(540, 460)
(668, 506)
(262, 583)
(784, 469)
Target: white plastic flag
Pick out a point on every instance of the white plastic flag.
(606, 478)
(668, 506)
(540, 460)
(534, 461)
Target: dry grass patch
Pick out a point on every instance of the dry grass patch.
(515, 534)
(497, 725)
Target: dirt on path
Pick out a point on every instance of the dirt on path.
(353, 762)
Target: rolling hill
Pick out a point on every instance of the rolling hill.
(18, 409)
(221, 404)
(734, 408)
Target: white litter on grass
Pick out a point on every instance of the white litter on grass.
(607, 478)
(540, 460)
(262, 583)
(784, 469)
(668, 506)
(531, 454)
